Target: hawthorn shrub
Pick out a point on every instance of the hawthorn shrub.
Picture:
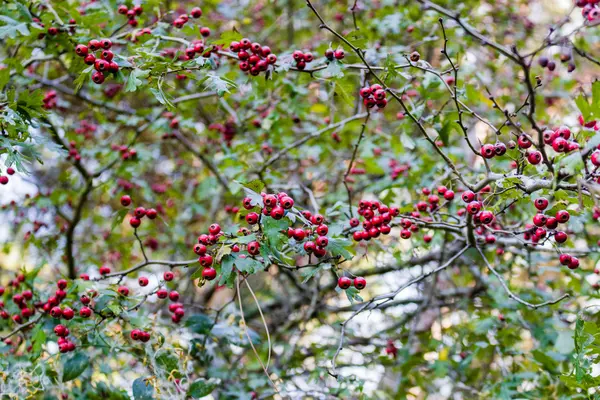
(288, 199)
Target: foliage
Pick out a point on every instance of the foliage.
(198, 137)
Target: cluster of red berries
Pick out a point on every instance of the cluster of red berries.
(541, 222)
(589, 9)
(433, 200)
(302, 58)
(142, 336)
(559, 139)
(181, 20)
(490, 150)
(126, 152)
(102, 64)
(139, 212)
(64, 344)
(377, 218)
(374, 95)
(136, 11)
(201, 249)
(359, 282)
(86, 129)
(331, 54)
(545, 62)
(588, 124)
(260, 59)
(4, 178)
(49, 100)
(227, 130)
(317, 237)
(73, 152)
(229, 209)
(397, 168)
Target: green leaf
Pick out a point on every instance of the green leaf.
(200, 324)
(273, 228)
(134, 81)
(343, 90)
(227, 37)
(83, 76)
(584, 107)
(75, 366)
(337, 247)
(162, 98)
(168, 361)
(118, 218)
(142, 390)
(202, 387)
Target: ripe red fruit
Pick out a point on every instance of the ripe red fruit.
(123, 290)
(551, 223)
(354, 222)
(310, 246)
(85, 312)
(204, 31)
(562, 216)
(500, 149)
(209, 273)
(162, 293)
(595, 158)
(560, 237)
(140, 212)
(449, 195)
(168, 276)
(534, 157)
(174, 295)
(344, 282)
(135, 334)
(339, 54)
(60, 330)
(473, 207)
(565, 259)
(151, 213)
(89, 59)
(486, 217)
(94, 44)
(286, 202)
(81, 50)
(85, 299)
(524, 142)
(104, 270)
(97, 77)
(322, 230)
(253, 248)
(405, 234)
(360, 282)
(62, 283)
(143, 281)
(488, 151)
(125, 200)
(574, 264)
(56, 312)
(468, 196)
(252, 218)
(277, 213)
(122, 9)
(540, 219)
(322, 241)
(138, 10)
(206, 260)
(134, 222)
(200, 249)
(541, 203)
(196, 12)
(214, 229)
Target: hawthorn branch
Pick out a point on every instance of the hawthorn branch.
(514, 296)
(371, 304)
(20, 328)
(170, 263)
(350, 164)
(305, 139)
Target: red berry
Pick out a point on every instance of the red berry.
(252, 218)
(98, 77)
(125, 200)
(488, 151)
(565, 259)
(339, 54)
(143, 281)
(122, 9)
(574, 264)
(468, 196)
(134, 222)
(562, 216)
(204, 31)
(253, 248)
(81, 50)
(560, 237)
(534, 157)
(209, 273)
(85, 312)
(168, 276)
(196, 12)
(62, 283)
(541, 203)
(151, 213)
(135, 334)
(174, 295)
(162, 293)
(360, 283)
(344, 282)
(56, 312)
(123, 290)
(214, 229)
